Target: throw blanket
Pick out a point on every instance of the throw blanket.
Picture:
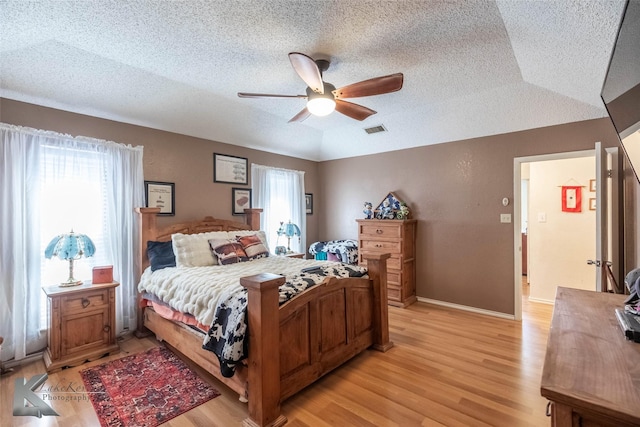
(347, 250)
(214, 292)
(226, 338)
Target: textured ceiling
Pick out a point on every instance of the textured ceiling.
(471, 68)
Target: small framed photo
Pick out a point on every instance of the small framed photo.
(240, 200)
(230, 169)
(160, 195)
(592, 204)
(308, 203)
(592, 185)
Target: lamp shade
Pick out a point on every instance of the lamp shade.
(70, 246)
(289, 230)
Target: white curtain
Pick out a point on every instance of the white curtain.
(280, 193)
(49, 184)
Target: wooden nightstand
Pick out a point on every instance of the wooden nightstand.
(295, 255)
(81, 324)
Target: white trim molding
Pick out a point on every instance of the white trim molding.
(467, 308)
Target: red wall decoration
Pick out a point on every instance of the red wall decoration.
(571, 198)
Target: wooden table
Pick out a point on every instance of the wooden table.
(591, 372)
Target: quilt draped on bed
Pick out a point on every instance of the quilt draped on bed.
(214, 296)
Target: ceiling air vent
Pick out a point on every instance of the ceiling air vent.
(375, 129)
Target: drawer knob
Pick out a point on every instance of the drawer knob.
(378, 245)
(378, 231)
(85, 303)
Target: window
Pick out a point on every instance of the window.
(49, 184)
(280, 193)
(73, 196)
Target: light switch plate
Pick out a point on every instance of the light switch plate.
(505, 218)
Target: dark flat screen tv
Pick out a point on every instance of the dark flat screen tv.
(621, 88)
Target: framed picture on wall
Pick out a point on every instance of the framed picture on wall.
(592, 185)
(160, 195)
(592, 204)
(230, 169)
(308, 203)
(240, 200)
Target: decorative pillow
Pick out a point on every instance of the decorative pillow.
(227, 251)
(260, 233)
(192, 250)
(160, 255)
(253, 246)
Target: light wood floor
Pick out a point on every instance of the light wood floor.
(448, 367)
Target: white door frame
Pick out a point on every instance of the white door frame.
(517, 212)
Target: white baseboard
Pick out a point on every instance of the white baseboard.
(28, 359)
(468, 308)
(542, 301)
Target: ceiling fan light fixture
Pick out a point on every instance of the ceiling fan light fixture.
(321, 105)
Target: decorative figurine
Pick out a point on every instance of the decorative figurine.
(387, 211)
(404, 211)
(368, 210)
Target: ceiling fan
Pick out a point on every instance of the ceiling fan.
(323, 98)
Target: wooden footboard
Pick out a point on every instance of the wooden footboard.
(313, 333)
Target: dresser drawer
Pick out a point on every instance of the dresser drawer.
(394, 293)
(394, 277)
(393, 231)
(85, 301)
(392, 247)
(393, 263)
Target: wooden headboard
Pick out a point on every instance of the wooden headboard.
(149, 229)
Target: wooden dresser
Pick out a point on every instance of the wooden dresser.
(81, 324)
(398, 238)
(591, 372)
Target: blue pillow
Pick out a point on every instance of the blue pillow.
(160, 255)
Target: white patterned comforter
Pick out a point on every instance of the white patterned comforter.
(214, 296)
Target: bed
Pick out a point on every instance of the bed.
(314, 332)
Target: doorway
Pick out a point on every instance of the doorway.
(558, 243)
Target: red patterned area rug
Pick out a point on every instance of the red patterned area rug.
(144, 389)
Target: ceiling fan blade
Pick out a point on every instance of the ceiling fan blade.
(375, 86)
(352, 110)
(301, 116)
(267, 95)
(308, 71)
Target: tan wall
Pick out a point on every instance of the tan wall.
(169, 157)
(465, 255)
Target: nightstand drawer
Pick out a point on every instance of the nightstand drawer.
(85, 301)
